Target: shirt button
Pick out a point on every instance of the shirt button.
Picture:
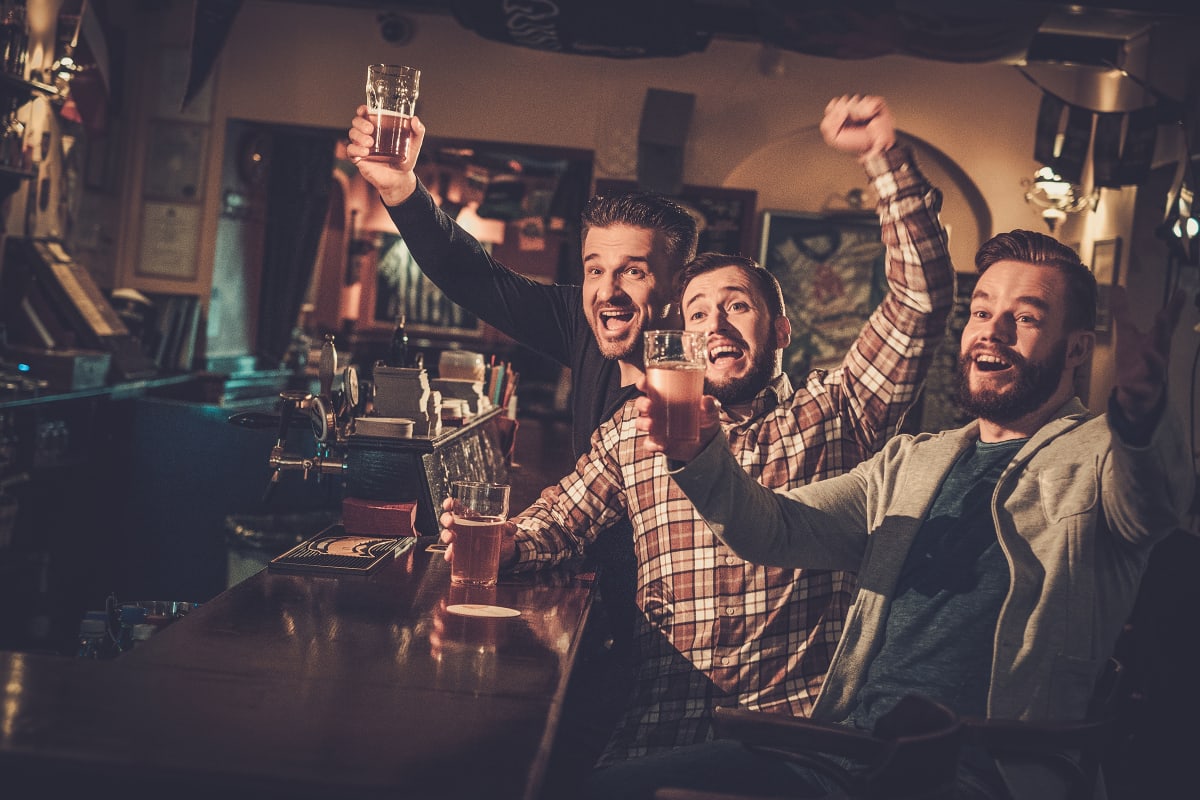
(724, 661)
(730, 560)
(730, 611)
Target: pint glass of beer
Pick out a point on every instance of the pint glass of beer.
(392, 100)
(480, 510)
(675, 364)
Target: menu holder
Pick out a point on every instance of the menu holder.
(333, 551)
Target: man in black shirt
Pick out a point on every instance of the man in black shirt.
(634, 244)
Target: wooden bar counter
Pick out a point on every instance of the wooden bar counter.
(307, 686)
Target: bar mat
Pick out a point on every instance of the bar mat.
(334, 551)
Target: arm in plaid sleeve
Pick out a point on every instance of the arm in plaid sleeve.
(588, 500)
(884, 369)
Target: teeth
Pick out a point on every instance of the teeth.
(723, 350)
(986, 359)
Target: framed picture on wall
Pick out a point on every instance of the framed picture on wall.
(1106, 266)
(726, 215)
(831, 268)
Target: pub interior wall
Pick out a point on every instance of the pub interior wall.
(304, 64)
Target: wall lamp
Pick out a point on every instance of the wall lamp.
(1056, 196)
(1181, 229)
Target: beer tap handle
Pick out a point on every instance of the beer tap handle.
(293, 400)
(269, 492)
(254, 419)
(328, 366)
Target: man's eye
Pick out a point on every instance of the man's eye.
(698, 315)
(635, 272)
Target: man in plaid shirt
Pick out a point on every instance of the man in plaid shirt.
(716, 630)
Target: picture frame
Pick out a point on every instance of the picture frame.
(1106, 266)
(170, 236)
(726, 215)
(832, 271)
(174, 161)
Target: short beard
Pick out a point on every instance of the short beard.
(1037, 381)
(629, 350)
(742, 390)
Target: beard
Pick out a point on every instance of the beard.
(1036, 382)
(734, 391)
(628, 348)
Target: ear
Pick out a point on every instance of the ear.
(1080, 345)
(783, 331)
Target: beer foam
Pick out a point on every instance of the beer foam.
(477, 610)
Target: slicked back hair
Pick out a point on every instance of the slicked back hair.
(648, 210)
(768, 284)
(1030, 247)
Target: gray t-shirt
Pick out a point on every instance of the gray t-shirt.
(940, 628)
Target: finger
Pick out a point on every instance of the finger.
(1166, 320)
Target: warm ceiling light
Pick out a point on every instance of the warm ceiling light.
(1056, 196)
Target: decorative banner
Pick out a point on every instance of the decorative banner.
(210, 27)
(1138, 150)
(1076, 138)
(614, 28)
(1048, 121)
(1106, 150)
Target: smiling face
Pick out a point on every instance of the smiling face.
(745, 340)
(626, 287)
(1017, 358)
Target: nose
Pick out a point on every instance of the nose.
(1001, 328)
(608, 286)
(716, 322)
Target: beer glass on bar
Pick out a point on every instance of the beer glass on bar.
(391, 99)
(480, 510)
(675, 364)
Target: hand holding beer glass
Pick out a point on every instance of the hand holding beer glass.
(391, 102)
(675, 364)
(479, 511)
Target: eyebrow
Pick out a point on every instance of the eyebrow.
(733, 289)
(626, 259)
(1027, 299)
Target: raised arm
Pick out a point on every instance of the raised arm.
(882, 373)
(536, 315)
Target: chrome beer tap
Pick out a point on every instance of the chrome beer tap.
(320, 409)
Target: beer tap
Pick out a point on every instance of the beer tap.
(321, 408)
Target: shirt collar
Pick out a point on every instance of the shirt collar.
(770, 396)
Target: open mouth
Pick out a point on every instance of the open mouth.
(615, 319)
(724, 354)
(991, 363)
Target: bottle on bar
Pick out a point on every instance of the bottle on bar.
(398, 353)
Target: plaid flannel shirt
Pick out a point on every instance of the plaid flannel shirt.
(716, 630)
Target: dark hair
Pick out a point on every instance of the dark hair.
(768, 285)
(648, 210)
(1030, 247)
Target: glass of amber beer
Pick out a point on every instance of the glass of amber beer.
(392, 100)
(675, 364)
(480, 510)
